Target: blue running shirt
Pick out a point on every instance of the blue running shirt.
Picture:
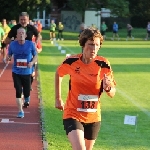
(22, 55)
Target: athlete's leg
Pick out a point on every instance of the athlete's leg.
(53, 35)
(26, 83)
(76, 138)
(18, 87)
(50, 35)
(90, 134)
(4, 48)
(75, 132)
(89, 144)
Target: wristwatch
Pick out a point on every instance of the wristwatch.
(108, 89)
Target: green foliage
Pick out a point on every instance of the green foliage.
(140, 8)
(119, 7)
(10, 9)
(138, 33)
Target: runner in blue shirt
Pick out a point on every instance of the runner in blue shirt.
(115, 31)
(24, 57)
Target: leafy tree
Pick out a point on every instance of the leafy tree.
(10, 9)
(118, 7)
(140, 8)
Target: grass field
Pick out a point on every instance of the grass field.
(131, 64)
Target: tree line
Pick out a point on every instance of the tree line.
(10, 9)
(138, 10)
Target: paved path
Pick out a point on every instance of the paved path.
(16, 133)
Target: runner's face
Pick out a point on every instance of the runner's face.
(21, 35)
(23, 20)
(4, 22)
(91, 48)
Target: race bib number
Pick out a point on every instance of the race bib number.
(87, 103)
(22, 63)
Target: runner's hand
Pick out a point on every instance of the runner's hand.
(30, 64)
(107, 81)
(59, 104)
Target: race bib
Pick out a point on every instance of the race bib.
(87, 103)
(22, 63)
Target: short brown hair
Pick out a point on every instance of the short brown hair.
(89, 34)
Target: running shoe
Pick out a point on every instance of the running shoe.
(26, 105)
(20, 114)
(4, 61)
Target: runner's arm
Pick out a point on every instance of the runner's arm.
(7, 40)
(58, 101)
(33, 61)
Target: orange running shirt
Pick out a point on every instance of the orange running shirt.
(38, 44)
(85, 87)
(39, 27)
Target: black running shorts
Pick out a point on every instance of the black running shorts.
(90, 129)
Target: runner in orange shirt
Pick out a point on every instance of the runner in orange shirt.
(39, 26)
(90, 76)
(38, 46)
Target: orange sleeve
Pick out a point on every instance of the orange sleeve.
(63, 69)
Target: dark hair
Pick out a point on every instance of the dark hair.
(24, 14)
(89, 34)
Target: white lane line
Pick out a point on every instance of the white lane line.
(5, 120)
(8, 121)
(10, 118)
(14, 111)
(68, 49)
(11, 122)
(4, 69)
(133, 101)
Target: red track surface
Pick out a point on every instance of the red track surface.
(16, 133)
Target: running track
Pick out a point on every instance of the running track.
(16, 133)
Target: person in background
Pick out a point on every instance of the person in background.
(24, 57)
(39, 26)
(90, 76)
(2, 33)
(93, 26)
(148, 31)
(115, 31)
(4, 48)
(38, 46)
(35, 24)
(30, 22)
(12, 23)
(60, 31)
(129, 32)
(52, 30)
(103, 29)
(82, 27)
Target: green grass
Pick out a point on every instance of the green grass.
(138, 33)
(130, 62)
